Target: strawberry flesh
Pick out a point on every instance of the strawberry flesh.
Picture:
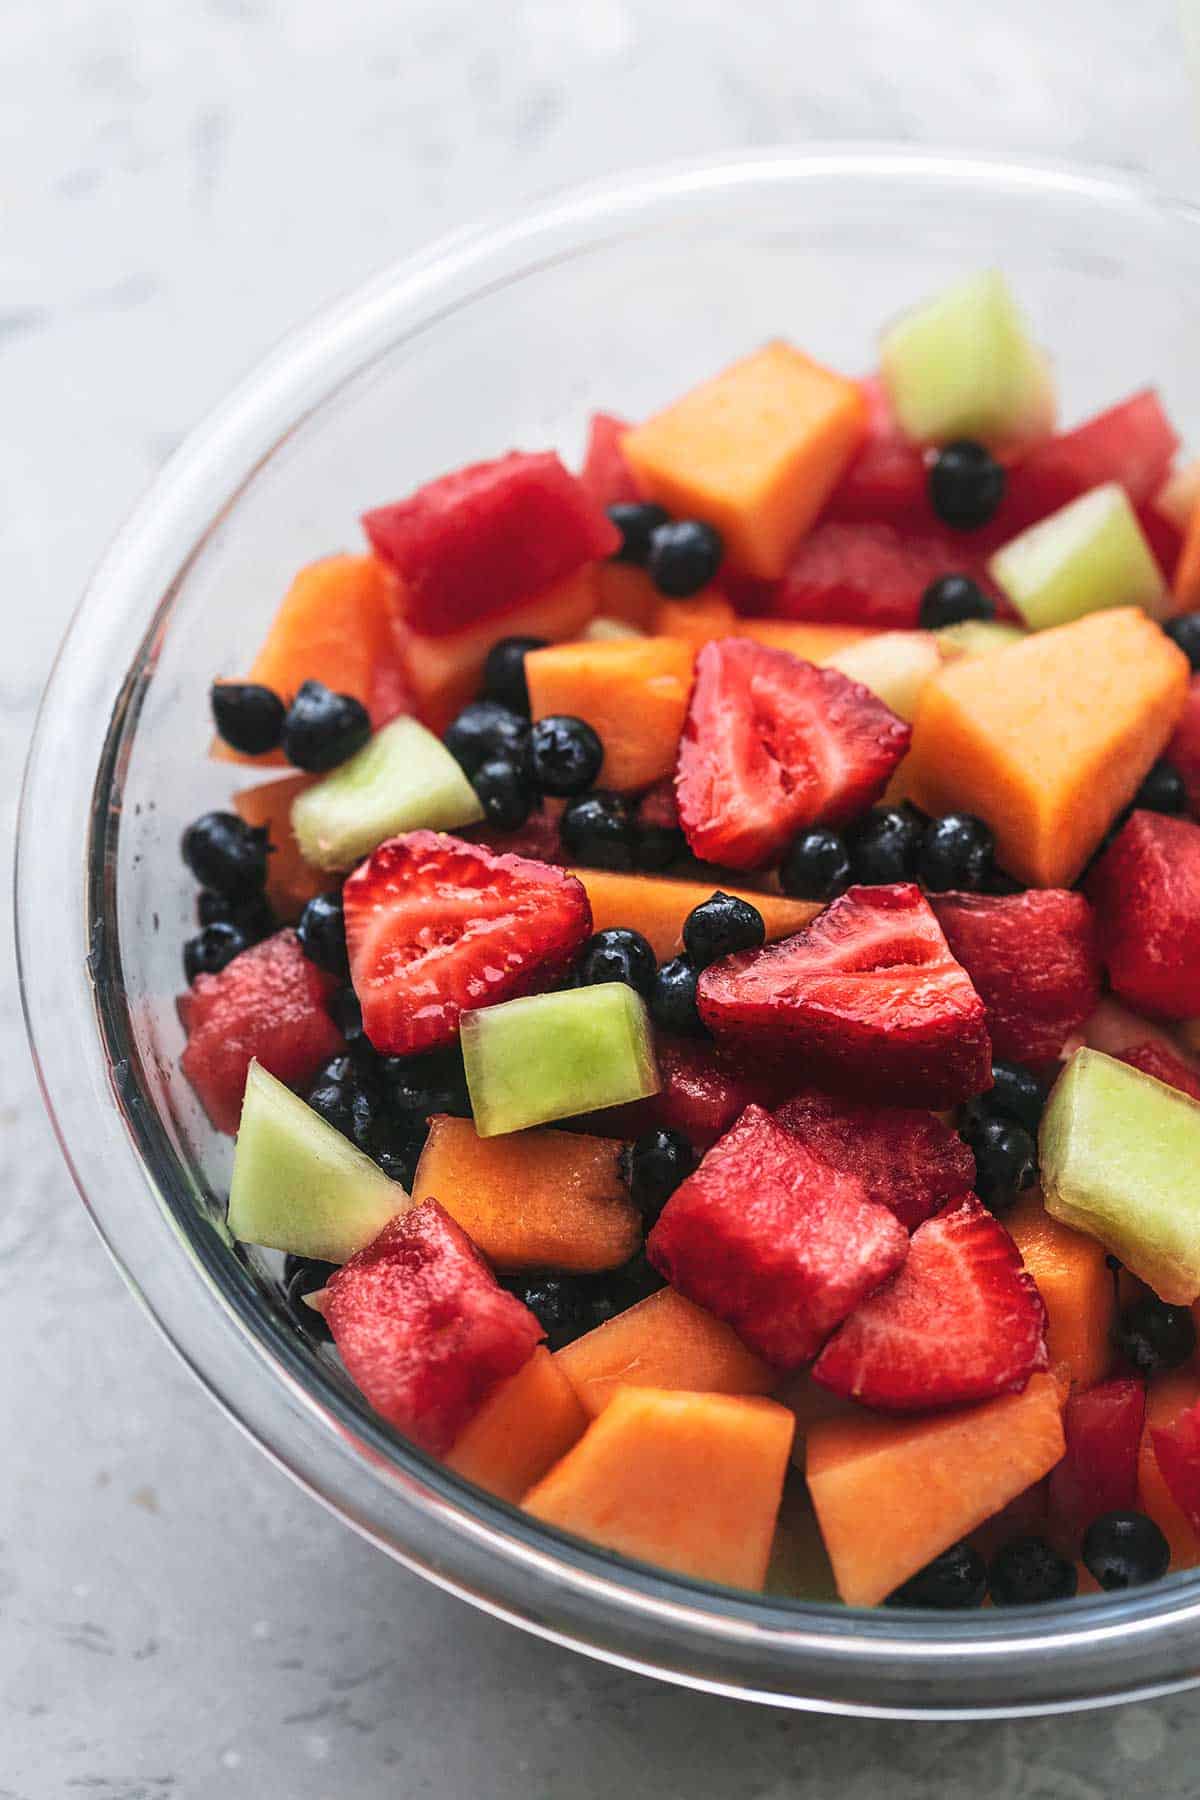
(1098, 1474)
(961, 1322)
(1177, 1452)
(907, 1160)
(436, 927)
(1146, 891)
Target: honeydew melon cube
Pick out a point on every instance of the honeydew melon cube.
(977, 637)
(1089, 555)
(403, 779)
(298, 1184)
(895, 665)
(550, 1056)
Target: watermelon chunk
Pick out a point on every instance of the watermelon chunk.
(1098, 1474)
(886, 482)
(868, 574)
(605, 474)
(907, 1160)
(1132, 443)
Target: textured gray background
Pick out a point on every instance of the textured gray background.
(180, 180)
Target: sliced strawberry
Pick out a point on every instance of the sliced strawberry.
(1098, 1474)
(909, 1161)
(1146, 891)
(866, 1000)
(605, 474)
(771, 744)
(868, 574)
(887, 479)
(436, 927)
(1155, 1059)
(774, 1241)
(1183, 751)
(1033, 960)
(961, 1322)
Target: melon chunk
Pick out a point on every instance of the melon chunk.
(403, 779)
(895, 666)
(662, 1342)
(657, 906)
(691, 1482)
(977, 637)
(633, 693)
(527, 1425)
(1070, 1273)
(1089, 555)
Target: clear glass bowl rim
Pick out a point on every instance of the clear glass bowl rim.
(887, 1663)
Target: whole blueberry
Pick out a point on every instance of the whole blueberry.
(817, 865)
(226, 854)
(719, 927)
(1185, 630)
(618, 955)
(884, 845)
(1125, 1549)
(951, 599)
(1016, 1094)
(952, 1582)
(322, 933)
(685, 555)
(248, 716)
(636, 521)
(658, 1162)
(966, 484)
(565, 755)
(504, 673)
(1027, 1572)
(599, 831)
(211, 949)
(1163, 790)
(253, 917)
(957, 852)
(673, 999)
(323, 729)
(485, 730)
(1154, 1336)
(504, 794)
(1005, 1160)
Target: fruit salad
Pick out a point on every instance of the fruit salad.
(702, 963)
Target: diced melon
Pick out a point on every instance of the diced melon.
(298, 1184)
(811, 643)
(291, 882)
(977, 637)
(662, 1342)
(520, 1431)
(624, 591)
(403, 779)
(705, 616)
(634, 694)
(1076, 1286)
(1089, 555)
(657, 905)
(895, 666)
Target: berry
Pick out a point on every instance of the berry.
(417, 1087)
(323, 729)
(504, 673)
(504, 794)
(346, 1014)
(952, 1582)
(966, 485)
(598, 831)
(637, 521)
(951, 599)
(1125, 1549)
(720, 926)
(865, 574)
(208, 952)
(225, 853)
(1153, 1336)
(673, 999)
(1185, 631)
(817, 865)
(1005, 1160)
(684, 556)
(332, 1095)
(956, 852)
(658, 1163)
(884, 845)
(565, 754)
(485, 730)
(657, 847)
(303, 1275)
(618, 955)
(1163, 790)
(322, 932)
(568, 1305)
(248, 716)
(253, 917)
(1027, 1572)
(1016, 1094)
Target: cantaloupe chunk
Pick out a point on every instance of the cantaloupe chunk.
(291, 882)
(811, 643)
(657, 906)
(691, 1482)
(521, 1431)
(891, 1494)
(634, 694)
(1185, 585)
(623, 591)
(707, 615)
(756, 452)
(444, 673)
(662, 1342)
(1075, 1284)
(1166, 1397)
(1048, 740)
(532, 1197)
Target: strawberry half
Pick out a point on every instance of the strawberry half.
(774, 1241)
(961, 1322)
(908, 1161)
(772, 744)
(866, 999)
(436, 927)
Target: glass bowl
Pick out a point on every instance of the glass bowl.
(615, 297)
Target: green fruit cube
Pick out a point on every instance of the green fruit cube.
(894, 665)
(553, 1055)
(298, 1184)
(977, 637)
(1089, 555)
(1120, 1158)
(404, 779)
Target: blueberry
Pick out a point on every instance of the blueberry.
(485, 730)
(658, 1162)
(658, 846)
(1016, 1094)
(504, 673)
(720, 926)
(966, 485)
(1027, 1572)
(567, 1305)
(1153, 1336)
(1124, 1550)
(1185, 630)
(504, 794)
(253, 917)
(673, 999)
(952, 599)
(685, 554)
(598, 831)
(618, 955)
(333, 1102)
(417, 1087)
(1162, 791)
(884, 845)
(323, 729)
(565, 754)
(225, 853)
(346, 1013)
(636, 522)
(953, 1581)
(1005, 1160)
(817, 865)
(247, 716)
(305, 1275)
(956, 852)
(208, 952)
(322, 933)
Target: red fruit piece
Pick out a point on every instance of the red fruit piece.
(539, 837)
(771, 744)
(908, 1161)
(424, 1328)
(1183, 751)
(868, 574)
(961, 1322)
(474, 544)
(1098, 1474)
(775, 1242)
(605, 474)
(1033, 960)
(1163, 536)
(865, 1000)
(1132, 443)
(1146, 891)
(269, 1004)
(1155, 1059)
(1177, 1452)
(887, 479)
(702, 1094)
(436, 927)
